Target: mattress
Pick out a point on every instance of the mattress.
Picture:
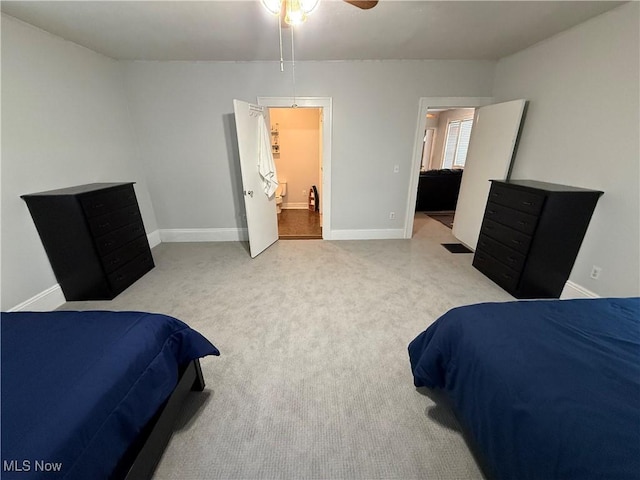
(545, 389)
(78, 387)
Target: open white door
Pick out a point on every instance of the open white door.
(262, 218)
(493, 140)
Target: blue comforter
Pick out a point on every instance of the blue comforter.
(77, 387)
(546, 389)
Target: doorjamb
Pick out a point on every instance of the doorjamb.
(325, 103)
(425, 104)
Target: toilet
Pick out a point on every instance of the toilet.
(281, 191)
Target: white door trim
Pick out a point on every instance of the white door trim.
(326, 104)
(421, 124)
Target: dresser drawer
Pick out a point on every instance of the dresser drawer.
(528, 202)
(508, 256)
(129, 273)
(523, 222)
(116, 239)
(108, 201)
(114, 260)
(116, 219)
(505, 235)
(496, 271)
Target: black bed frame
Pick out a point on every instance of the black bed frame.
(142, 457)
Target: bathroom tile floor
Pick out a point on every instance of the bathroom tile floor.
(299, 224)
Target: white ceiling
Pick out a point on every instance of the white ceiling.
(242, 31)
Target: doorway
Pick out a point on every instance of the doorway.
(446, 141)
(324, 104)
(432, 111)
(296, 142)
(496, 130)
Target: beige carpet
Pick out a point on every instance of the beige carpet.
(313, 381)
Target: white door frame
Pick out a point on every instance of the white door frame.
(325, 103)
(425, 104)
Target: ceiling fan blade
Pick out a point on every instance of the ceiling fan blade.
(364, 5)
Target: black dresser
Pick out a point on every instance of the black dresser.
(94, 238)
(531, 234)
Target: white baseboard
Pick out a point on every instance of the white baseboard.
(295, 206)
(154, 238)
(45, 301)
(204, 235)
(573, 290)
(381, 234)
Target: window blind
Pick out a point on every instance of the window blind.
(452, 142)
(463, 143)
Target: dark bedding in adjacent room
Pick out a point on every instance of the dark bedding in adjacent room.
(78, 387)
(545, 389)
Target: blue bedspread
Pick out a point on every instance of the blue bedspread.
(546, 389)
(77, 387)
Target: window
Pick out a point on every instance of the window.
(457, 143)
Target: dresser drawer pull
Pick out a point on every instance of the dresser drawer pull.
(528, 204)
(98, 205)
(520, 222)
(517, 242)
(491, 212)
(506, 275)
(115, 261)
(103, 225)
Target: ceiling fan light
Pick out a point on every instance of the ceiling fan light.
(295, 14)
(272, 6)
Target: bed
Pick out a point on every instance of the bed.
(92, 395)
(543, 389)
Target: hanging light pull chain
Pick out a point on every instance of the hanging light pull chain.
(280, 36)
(293, 68)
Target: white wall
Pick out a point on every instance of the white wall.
(582, 128)
(64, 123)
(183, 113)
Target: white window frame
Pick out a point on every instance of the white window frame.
(455, 162)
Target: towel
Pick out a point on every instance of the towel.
(266, 165)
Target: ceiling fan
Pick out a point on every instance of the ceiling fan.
(364, 5)
(294, 12)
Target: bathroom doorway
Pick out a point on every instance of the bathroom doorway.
(296, 143)
(296, 203)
